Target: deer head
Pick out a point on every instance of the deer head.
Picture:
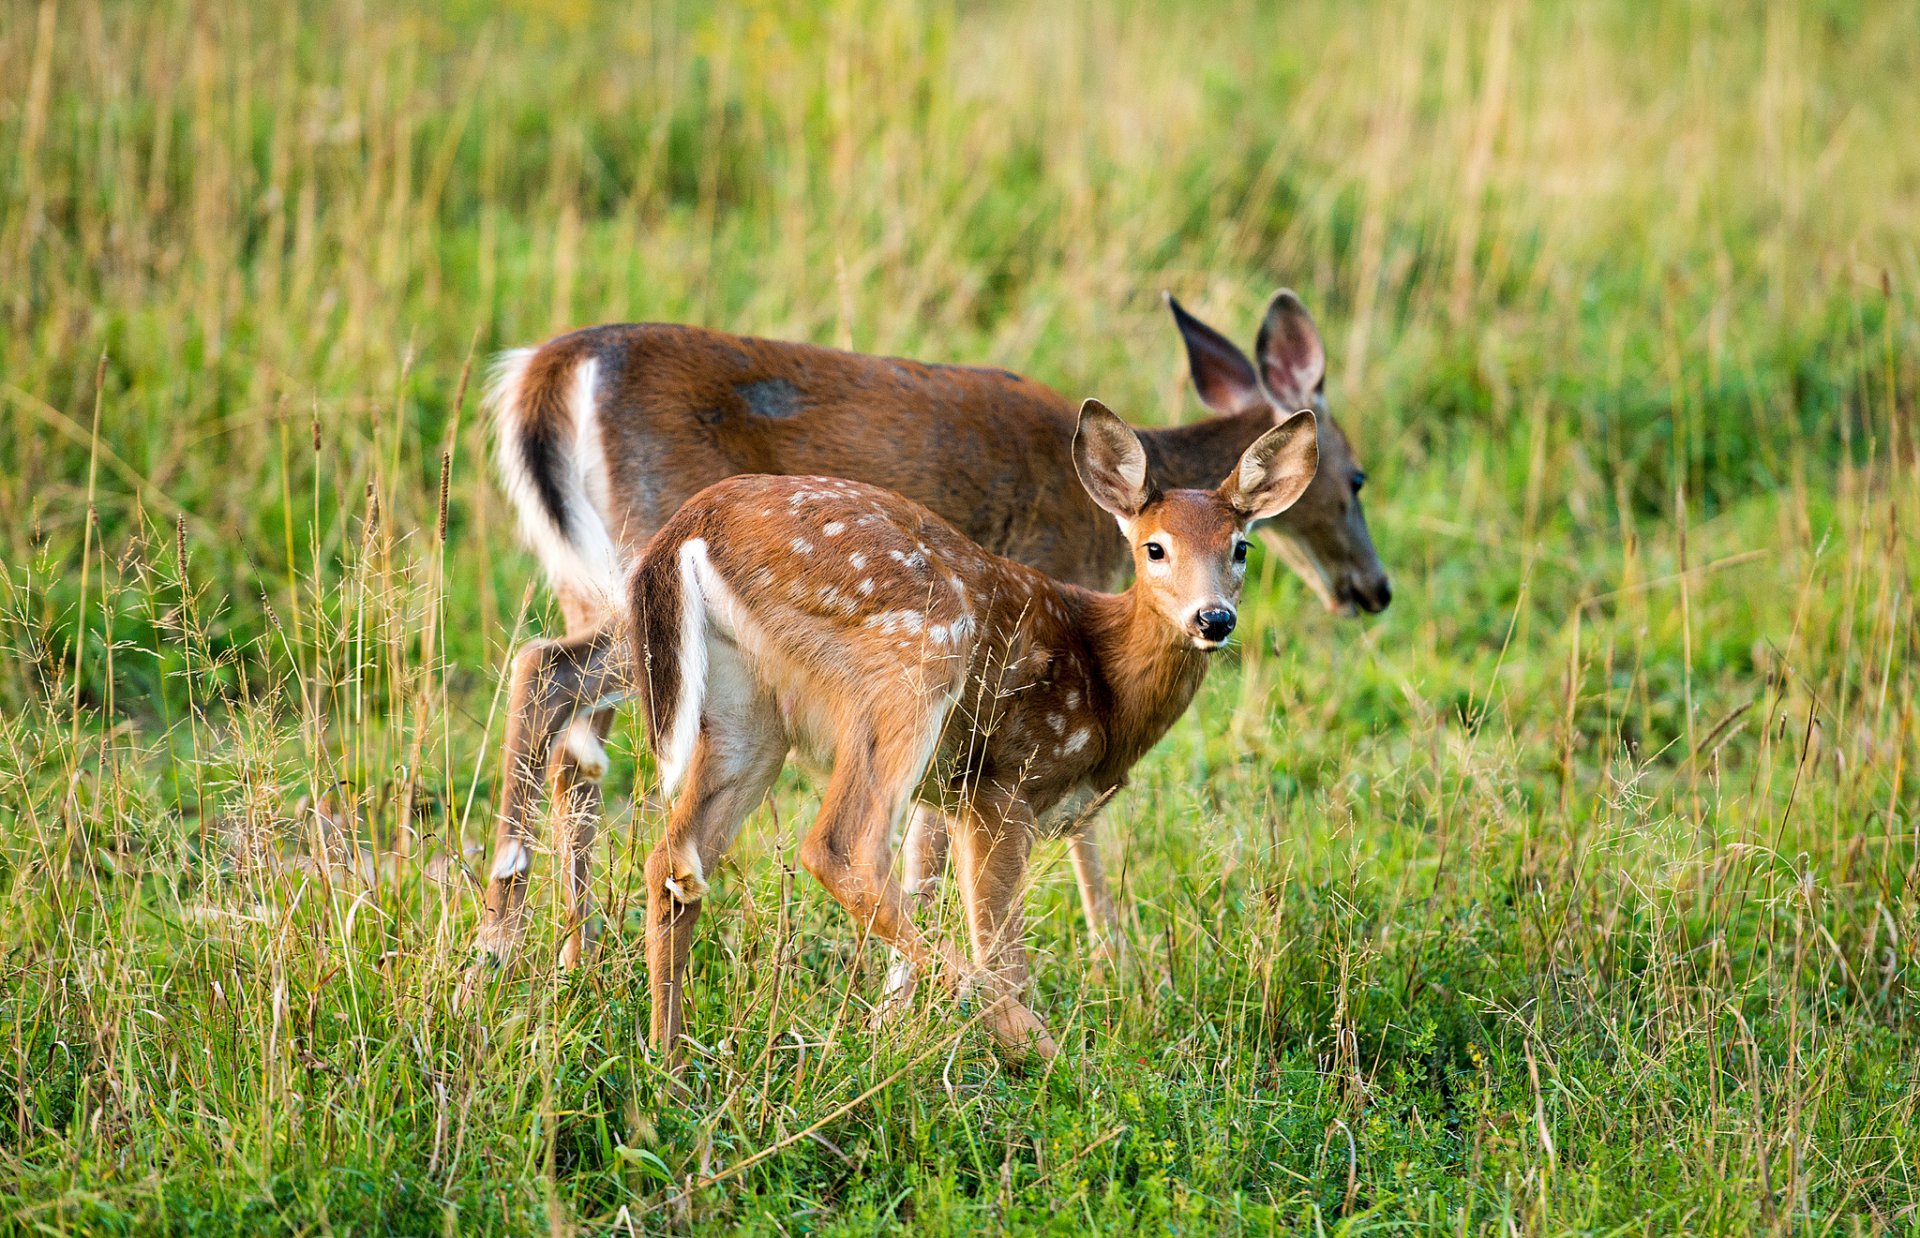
(1190, 546)
(1324, 536)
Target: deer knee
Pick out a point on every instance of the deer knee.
(824, 857)
(511, 861)
(583, 745)
(675, 870)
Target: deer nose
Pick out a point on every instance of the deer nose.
(1215, 623)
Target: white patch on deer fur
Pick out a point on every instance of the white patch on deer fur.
(690, 885)
(891, 621)
(1078, 740)
(684, 728)
(1057, 722)
(511, 860)
(866, 586)
(858, 560)
(584, 746)
(916, 560)
(801, 546)
(581, 557)
(833, 528)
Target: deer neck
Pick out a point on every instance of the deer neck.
(1150, 671)
(1198, 455)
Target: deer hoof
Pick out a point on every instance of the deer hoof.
(1021, 1036)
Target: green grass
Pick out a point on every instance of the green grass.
(1577, 893)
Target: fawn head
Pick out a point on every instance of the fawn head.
(1325, 536)
(1190, 546)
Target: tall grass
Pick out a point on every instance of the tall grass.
(1577, 892)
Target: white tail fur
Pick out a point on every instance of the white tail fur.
(581, 556)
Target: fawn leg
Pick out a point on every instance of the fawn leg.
(992, 849)
(923, 860)
(736, 759)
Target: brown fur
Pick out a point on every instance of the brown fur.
(861, 626)
(680, 408)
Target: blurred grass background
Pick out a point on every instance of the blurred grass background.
(1575, 893)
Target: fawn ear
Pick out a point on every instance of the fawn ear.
(1110, 460)
(1292, 361)
(1221, 373)
(1276, 470)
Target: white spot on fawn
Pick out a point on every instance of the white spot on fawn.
(801, 546)
(833, 528)
(891, 621)
(1078, 740)
(857, 559)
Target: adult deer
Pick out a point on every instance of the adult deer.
(772, 612)
(604, 433)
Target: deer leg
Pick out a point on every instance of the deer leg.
(849, 849)
(923, 859)
(736, 759)
(581, 765)
(552, 682)
(1109, 944)
(992, 851)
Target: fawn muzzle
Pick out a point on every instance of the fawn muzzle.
(1212, 626)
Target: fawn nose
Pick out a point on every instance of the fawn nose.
(1215, 624)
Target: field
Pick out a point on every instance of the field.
(1576, 893)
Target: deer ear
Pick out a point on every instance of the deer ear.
(1276, 470)
(1221, 373)
(1292, 360)
(1110, 460)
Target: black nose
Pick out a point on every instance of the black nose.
(1215, 625)
(1371, 597)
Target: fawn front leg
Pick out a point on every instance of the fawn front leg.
(993, 847)
(923, 861)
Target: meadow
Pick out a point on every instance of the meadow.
(1576, 893)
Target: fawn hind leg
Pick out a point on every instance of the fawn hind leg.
(741, 748)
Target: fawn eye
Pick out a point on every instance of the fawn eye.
(1239, 552)
(1156, 551)
(1359, 479)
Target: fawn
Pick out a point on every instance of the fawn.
(604, 433)
(773, 612)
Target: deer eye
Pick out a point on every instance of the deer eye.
(1156, 551)
(1359, 479)
(1239, 552)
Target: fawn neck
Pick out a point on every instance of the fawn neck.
(1197, 455)
(1150, 672)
